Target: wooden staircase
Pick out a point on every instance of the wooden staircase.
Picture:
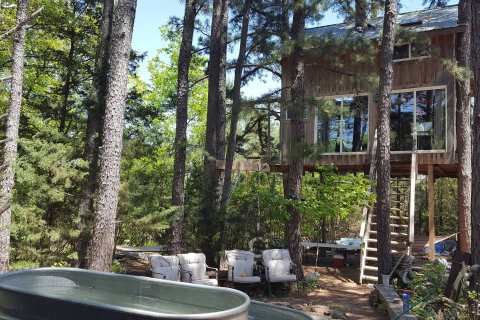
(402, 206)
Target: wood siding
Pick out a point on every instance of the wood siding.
(326, 81)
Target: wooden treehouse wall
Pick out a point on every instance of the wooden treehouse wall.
(322, 80)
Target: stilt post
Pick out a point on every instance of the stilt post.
(431, 212)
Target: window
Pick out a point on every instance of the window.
(410, 51)
(342, 124)
(423, 111)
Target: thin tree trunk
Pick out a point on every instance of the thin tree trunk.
(476, 134)
(383, 142)
(464, 140)
(210, 222)
(13, 122)
(236, 106)
(92, 140)
(178, 184)
(108, 185)
(297, 134)
(361, 8)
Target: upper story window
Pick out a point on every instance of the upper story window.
(342, 124)
(411, 51)
(421, 112)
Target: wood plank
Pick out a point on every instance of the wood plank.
(411, 215)
(431, 212)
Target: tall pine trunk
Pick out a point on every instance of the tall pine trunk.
(178, 184)
(383, 143)
(92, 139)
(13, 122)
(296, 109)
(236, 104)
(361, 15)
(464, 140)
(210, 223)
(108, 184)
(476, 134)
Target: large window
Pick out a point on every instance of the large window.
(423, 111)
(342, 124)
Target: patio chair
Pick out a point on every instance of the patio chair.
(193, 269)
(278, 267)
(241, 265)
(165, 267)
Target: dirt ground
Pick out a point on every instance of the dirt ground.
(338, 296)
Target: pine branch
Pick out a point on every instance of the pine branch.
(3, 116)
(24, 22)
(5, 140)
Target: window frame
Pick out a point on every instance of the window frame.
(410, 57)
(414, 125)
(343, 96)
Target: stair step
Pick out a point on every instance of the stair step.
(402, 234)
(394, 225)
(370, 278)
(371, 258)
(371, 268)
(375, 250)
(391, 241)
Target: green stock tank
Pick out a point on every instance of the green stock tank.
(75, 294)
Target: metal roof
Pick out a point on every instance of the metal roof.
(415, 21)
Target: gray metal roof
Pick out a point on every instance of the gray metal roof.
(415, 21)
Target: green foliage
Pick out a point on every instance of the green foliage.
(427, 299)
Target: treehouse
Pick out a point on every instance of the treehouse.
(341, 68)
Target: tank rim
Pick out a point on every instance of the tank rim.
(134, 311)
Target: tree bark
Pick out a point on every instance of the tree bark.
(178, 184)
(464, 140)
(236, 105)
(297, 134)
(476, 134)
(214, 145)
(383, 140)
(92, 140)
(108, 184)
(13, 121)
(361, 7)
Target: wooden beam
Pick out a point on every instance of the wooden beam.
(411, 214)
(431, 212)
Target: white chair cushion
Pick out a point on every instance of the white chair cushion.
(283, 278)
(207, 282)
(278, 264)
(167, 273)
(241, 263)
(159, 261)
(193, 264)
(252, 279)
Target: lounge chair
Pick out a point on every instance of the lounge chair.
(165, 267)
(241, 265)
(278, 267)
(193, 269)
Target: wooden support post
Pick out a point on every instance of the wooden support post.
(411, 207)
(431, 213)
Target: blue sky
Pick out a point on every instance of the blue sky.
(151, 14)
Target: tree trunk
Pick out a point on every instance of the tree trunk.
(361, 15)
(178, 184)
(476, 134)
(236, 106)
(92, 141)
(297, 134)
(464, 141)
(108, 184)
(13, 122)
(210, 221)
(383, 142)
